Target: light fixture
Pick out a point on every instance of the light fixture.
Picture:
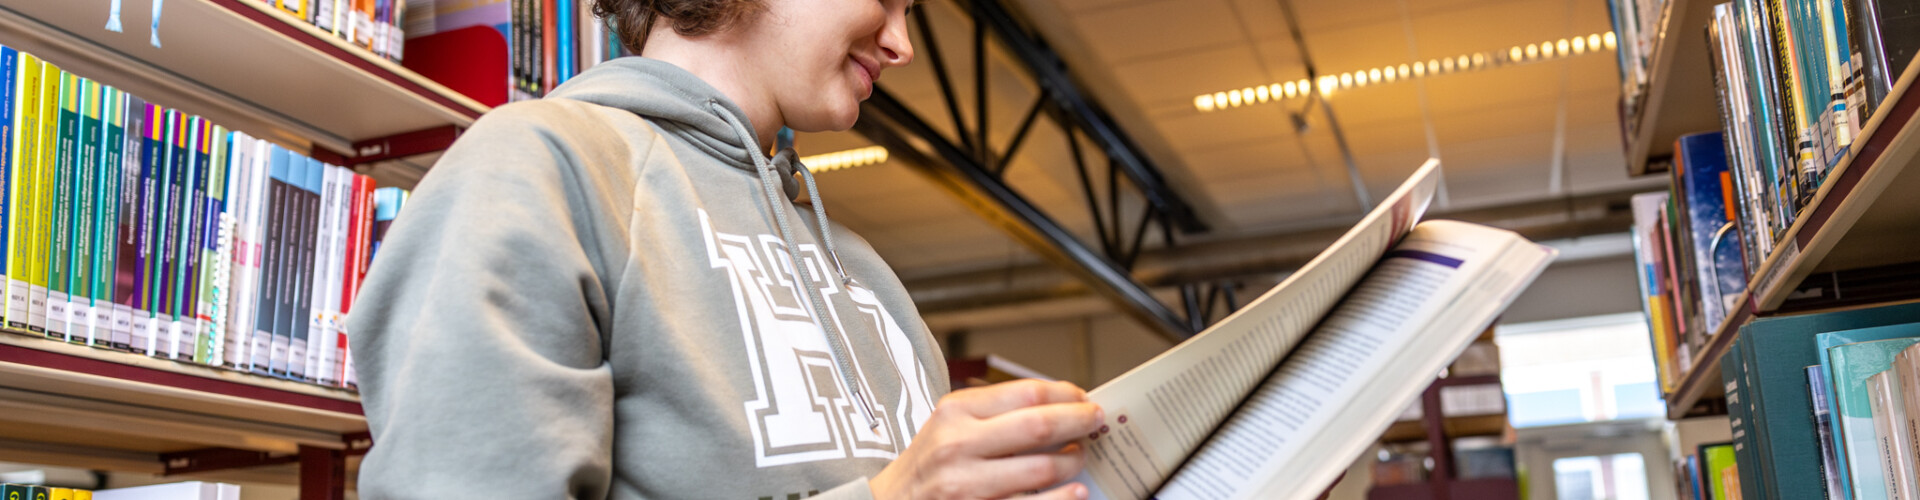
(852, 158)
(1326, 85)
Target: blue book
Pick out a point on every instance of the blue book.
(1705, 188)
(1825, 342)
(564, 46)
(9, 71)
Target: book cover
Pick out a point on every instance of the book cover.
(106, 223)
(1883, 391)
(1852, 365)
(22, 153)
(1753, 449)
(1823, 428)
(1720, 468)
(60, 236)
(1825, 342)
(1905, 372)
(1699, 167)
(85, 179)
(126, 248)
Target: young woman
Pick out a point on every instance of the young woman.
(610, 293)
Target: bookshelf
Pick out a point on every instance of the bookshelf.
(1863, 216)
(77, 406)
(1678, 98)
(1443, 481)
(253, 68)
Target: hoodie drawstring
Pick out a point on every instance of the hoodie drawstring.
(771, 184)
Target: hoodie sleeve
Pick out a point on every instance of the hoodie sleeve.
(477, 337)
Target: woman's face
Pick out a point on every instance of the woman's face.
(819, 58)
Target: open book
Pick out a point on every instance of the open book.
(1276, 400)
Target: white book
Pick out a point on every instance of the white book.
(1891, 437)
(317, 318)
(1304, 378)
(240, 171)
(335, 279)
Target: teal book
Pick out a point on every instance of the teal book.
(1852, 364)
(1777, 351)
(1733, 374)
(59, 242)
(106, 221)
(80, 250)
(1760, 448)
(1825, 342)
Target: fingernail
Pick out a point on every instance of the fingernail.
(1100, 414)
(1079, 491)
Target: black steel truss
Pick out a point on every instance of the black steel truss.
(969, 166)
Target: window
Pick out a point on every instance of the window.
(1578, 370)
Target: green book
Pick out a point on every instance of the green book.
(106, 222)
(60, 243)
(1721, 470)
(22, 151)
(39, 492)
(80, 240)
(13, 491)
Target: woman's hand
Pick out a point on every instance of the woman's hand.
(995, 442)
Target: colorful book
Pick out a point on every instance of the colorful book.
(1830, 472)
(1825, 342)
(22, 154)
(273, 285)
(44, 196)
(1720, 471)
(144, 301)
(60, 240)
(1852, 365)
(85, 180)
(210, 317)
(110, 175)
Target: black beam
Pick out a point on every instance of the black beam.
(889, 123)
(1076, 108)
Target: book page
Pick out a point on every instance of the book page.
(1417, 309)
(1161, 411)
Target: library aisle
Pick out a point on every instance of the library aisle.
(1295, 249)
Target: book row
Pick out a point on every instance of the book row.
(375, 25)
(1637, 23)
(1691, 273)
(547, 41)
(1796, 80)
(1710, 472)
(190, 490)
(128, 225)
(1826, 405)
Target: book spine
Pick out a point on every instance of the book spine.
(1823, 428)
(325, 280)
(12, 135)
(249, 254)
(283, 263)
(268, 346)
(80, 265)
(213, 267)
(308, 234)
(106, 220)
(233, 349)
(146, 230)
(362, 251)
(179, 168)
(60, 242)
(291, 318)
(127, 279)
(49, 138)
(564, 44)
(193, 243)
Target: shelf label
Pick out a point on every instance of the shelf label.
(1789, 253)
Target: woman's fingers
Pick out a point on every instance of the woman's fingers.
(1070, 491)
(1030, 472)
(1032, 428)
(984, 402)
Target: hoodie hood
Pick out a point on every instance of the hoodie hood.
(679, 104)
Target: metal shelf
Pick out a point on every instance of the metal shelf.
(1863, 216)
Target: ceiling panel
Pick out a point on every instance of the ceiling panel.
(1149, 29)
(1159, 82)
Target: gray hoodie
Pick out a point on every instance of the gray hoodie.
(591, 296)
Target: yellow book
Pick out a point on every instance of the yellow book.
(1663, 355)
(25, 156)
(82, 494)
(60, 494)
(50, 77)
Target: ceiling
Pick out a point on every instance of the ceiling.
(1507, 135)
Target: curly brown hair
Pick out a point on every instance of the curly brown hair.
(633, 19)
